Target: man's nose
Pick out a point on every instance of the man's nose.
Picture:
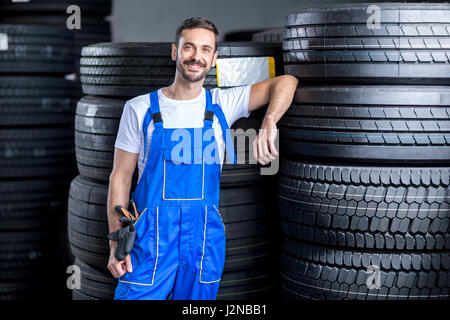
(196, 55)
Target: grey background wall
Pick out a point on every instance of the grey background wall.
(157, 20)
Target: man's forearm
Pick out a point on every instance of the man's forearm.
(118, 194)
(281, 95)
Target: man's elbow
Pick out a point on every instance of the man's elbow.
(290, 80)
(285, 82)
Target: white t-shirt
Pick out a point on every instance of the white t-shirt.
(179, 114)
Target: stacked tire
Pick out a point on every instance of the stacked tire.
(269, 36)
(36, 159)
(93, 26)
(363, 189)
(111, 74)
(37, 108)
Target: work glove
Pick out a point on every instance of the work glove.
(125, 236)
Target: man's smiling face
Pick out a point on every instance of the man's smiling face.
(195, 55)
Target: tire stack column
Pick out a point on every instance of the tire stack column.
(36, 158)
(364, 179)
(38, 57)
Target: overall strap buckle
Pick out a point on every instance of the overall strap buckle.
(209, 115)
(157, 117)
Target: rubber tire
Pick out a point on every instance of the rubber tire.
(360, 207)
(37, 49)
(36, 101)
(269, 36)
(334, 44)
(93, 29)
(312, 272)
(36, 152)
(389, 124)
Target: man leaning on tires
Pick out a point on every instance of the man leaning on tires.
(178, 250)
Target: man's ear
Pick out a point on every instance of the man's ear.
(214, 60)
(174, 52)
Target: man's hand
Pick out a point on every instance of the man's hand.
(116, 267)
(118, 193)
(278, 92)
(264, 149)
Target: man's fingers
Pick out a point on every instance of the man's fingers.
(265, 151)
(261, 157)
(273, 149)
(111, 269)
(123, 265)
(129, 267)
(119, 268)
(122, 268)
(268, 147)
(260, 153)
(116, 270)
(255, 149)
(265, 148)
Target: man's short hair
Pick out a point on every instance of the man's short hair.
(197, 22)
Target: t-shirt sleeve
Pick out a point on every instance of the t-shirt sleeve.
(234, 102)
(128, 138)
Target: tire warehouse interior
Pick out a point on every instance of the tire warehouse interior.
(358, 207)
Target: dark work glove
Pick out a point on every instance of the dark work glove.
(125, 238)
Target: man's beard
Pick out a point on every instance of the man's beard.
(191, 78)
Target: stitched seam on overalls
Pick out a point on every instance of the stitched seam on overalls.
(203, 184)
(220, 218)
(157, 252)
(203, 251)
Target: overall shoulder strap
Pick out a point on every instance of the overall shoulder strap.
(153, 113)
(229, 146)
(209, 110)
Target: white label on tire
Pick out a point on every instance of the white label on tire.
(233, 72)
(70, 76)
(13, 1)
(3, 41)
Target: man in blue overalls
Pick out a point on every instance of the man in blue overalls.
(179, 249)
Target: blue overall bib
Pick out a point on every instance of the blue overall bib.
(179, 251)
